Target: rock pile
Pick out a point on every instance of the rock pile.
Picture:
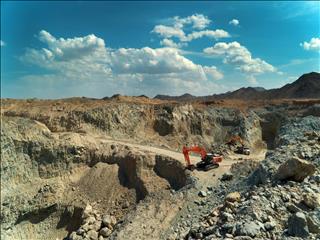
(94, 226)
(298, 152)
(266, 212)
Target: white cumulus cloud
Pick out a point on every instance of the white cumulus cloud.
(234, 22)
(72, 48)
(198, 21)
(75, 57)
(212, 72)
(146, 70)
(168, 31)
(312, 45)
(170, 43)
(148, 60)
(216, 34)
(177, 28)
(238, 55)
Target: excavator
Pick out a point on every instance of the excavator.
(240, 149)
(234, 139)
(208, 160)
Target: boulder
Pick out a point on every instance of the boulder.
(202, 194)
(297, 225)
(311, 200)
(313, 221)
(109, 221)
(105, 232)
(209, 231)
(229, 205)
(293, 208)
(89, 220)
(96, 225)
(248, 229)
(228, 227)
(80, 231)
(270, 225)
(74, 236)
(233, 197)
(92, 235)
(88, 211)
(227, 216)
(227, 176)
(295, 169)
(261, 175)
(86, 227)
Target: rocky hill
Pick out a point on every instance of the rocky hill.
(307, 86)
(242, 93)
(185, 97)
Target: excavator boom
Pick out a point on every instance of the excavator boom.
(195, 149)
(234, 139)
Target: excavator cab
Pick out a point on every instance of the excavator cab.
(242, 150)
(208, 162)
(208, 158)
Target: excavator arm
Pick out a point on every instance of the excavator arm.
(234, 139)
(195, 149)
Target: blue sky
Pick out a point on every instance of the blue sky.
(96, 49)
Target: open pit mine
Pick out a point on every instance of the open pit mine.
(113, 168)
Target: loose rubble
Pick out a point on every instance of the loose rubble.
(279, 200)
(94, 226)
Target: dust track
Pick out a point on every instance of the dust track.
(204, 177)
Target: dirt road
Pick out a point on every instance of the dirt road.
(204, 178)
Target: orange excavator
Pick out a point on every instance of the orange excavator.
(240, 149)
(234, 139)
(208, 160)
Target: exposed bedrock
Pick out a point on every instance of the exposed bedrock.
(48, 178)
(168, 125)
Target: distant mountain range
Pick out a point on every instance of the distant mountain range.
(306, 86)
